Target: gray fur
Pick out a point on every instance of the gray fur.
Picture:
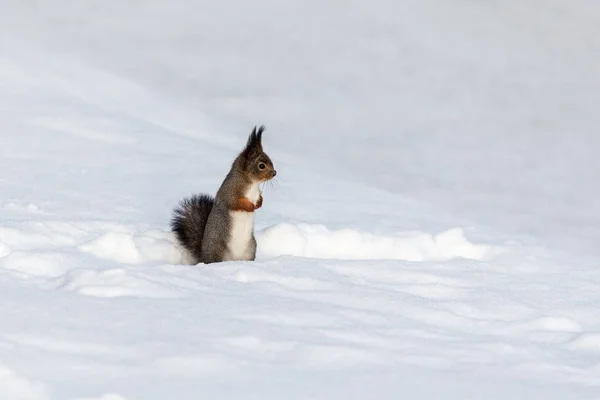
(218, 225)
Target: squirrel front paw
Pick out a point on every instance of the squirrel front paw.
(258, 202)
(243, 204)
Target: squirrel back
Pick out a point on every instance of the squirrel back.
(222, 228)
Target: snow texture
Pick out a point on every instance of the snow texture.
(432, 231)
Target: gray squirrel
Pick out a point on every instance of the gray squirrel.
(222, 228)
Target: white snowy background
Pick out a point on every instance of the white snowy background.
(432, 235)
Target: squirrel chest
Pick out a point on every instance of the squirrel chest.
(241, 241)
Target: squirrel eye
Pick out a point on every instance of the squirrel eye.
(261, 165)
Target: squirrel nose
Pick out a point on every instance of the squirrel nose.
(274, 172)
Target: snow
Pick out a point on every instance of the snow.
(319, 242)
(432, 231)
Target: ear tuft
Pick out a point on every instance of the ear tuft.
(254, 144)
(259, 133)
(255, 138)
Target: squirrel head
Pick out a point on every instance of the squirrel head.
(253, 161)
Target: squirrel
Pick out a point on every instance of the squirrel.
(221, 228)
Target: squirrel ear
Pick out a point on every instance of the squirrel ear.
(259, 133)
(254, 144)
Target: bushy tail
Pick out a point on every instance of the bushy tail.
(189, 221)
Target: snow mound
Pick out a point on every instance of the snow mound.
(15, 387)
(147, 247)
(317, 241)
(37, 264)
(587, 342)
(113, 254)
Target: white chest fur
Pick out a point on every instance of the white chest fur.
(242, 225)
(253, 193)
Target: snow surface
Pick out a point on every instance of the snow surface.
(432, 232)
